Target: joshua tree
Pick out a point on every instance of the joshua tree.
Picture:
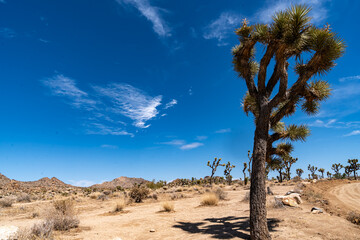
(354, 166)
(288, 162)
(328, 174)
(289, 38)
(347, 171)
(336, 167)
(244, 171)
(277, 164)
(250, 160)
(322, 172)
(227, 171)
(299, 171)
(312, 169)
(213, 167)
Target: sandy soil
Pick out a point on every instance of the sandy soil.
(228, 220)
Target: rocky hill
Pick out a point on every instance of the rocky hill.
(7, 184)
(124, 182)
(47, 183)
(4, 180)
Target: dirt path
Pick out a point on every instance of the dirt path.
(348, 195)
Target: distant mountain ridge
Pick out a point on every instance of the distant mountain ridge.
(48, 183)
(54, 183)
(124, 182)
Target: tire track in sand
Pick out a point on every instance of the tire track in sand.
(349, 195)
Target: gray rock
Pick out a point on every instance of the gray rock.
(316, 210)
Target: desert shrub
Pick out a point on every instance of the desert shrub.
(168, 207)
(246, 197)
(154, 196)
(39, 231)
(138, 193)
(42, 230)
(102, 197)
(220, 194)
(24, 197)
(155, 185)
(120, 205)
(210, 199)
(6, 202)
(246, 180)
(120, 188)
(354, 217)
(62, 215)
(107, 192)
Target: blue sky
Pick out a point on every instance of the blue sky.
(93, 90)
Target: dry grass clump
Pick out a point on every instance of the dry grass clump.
(167, 207)
(354, 217)
(246, 197)
(220, 194)
(120, 205)
(23, 198)
(62, 215)
(6, 202)
(102, 197)
(210, 199)
(138, 193)
(39, 231)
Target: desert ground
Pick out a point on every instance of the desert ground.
(190, 220)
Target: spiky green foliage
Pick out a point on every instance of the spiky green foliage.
(214, 165)
(299, 172)
(288, 162)
(227, 171)
(354, 166)
(313, 169)
(336, 167)
(328, 174)
(322, 170)
(277, 164)
(290, 35)
(290, 38)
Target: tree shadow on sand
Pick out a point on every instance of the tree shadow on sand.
(224, 228)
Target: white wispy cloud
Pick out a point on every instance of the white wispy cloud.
(103, 129)
(152, 14)
(353, 133)
(171, 104)
(175, 142)
(225, 130)
(109, 146)
(81, 183)
(191, 146)
(107, 106)
(220, 28)
(201, 138)
(131, 102)
(334, 123)
(7, 33)
(66, 87)
(343, 79)
(319, 11)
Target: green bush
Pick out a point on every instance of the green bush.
(138, 193)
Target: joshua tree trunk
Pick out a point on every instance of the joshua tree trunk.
(258, 223)
(354, 174)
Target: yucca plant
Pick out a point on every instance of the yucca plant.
(291, 37)
(322, 170)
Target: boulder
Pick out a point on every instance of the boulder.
(297, 197)
(316, 210)
(291, 200)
